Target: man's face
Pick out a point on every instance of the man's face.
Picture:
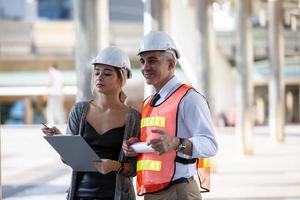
(157, 68)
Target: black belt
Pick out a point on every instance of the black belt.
(181, 180)
(185, 161)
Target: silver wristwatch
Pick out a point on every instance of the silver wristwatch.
(181, 147)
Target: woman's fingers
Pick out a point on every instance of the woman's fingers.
(128, 151)
(56, 130)
(51, 131)
(133, 140)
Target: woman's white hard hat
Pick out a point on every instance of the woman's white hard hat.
(157, 41)
(114, 57)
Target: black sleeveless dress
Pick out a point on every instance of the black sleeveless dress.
(94, 185)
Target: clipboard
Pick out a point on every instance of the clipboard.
(75, 151)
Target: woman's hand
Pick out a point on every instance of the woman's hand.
(105, 166)
(128, 151)
(50, 131)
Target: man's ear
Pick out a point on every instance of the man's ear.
(171, 64)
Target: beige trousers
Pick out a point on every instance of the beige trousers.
(181, 191)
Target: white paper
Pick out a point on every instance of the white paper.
(142, 147)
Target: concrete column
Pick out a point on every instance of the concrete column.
(31, 10)
(91, 24)
(276, 84)
(203, 50)
(151, 15)
(28, 117)
(1, 157)
(156, 16)
(298, 100)
(244, 62)
(103, 23)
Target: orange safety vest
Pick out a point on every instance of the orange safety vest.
(155, 172)
(203, 171)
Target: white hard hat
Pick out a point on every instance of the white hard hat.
(114, 57)
(157, 41)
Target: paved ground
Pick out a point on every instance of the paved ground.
(31, 170)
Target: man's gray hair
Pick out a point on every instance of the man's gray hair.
(172, 53)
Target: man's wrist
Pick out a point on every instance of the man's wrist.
(181, 145)
(176, 142)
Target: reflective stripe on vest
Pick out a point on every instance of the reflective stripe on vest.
(153, 121)
(203, 163)
(151, 165)
(155, 171)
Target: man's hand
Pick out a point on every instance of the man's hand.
(126, 146)
(164, 143)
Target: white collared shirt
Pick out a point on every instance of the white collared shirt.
(194, 122)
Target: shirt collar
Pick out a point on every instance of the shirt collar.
(168, 87)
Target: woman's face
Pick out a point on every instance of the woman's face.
(106, 79)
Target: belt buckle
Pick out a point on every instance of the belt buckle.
(190, 179)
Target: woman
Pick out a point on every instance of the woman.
(104, 123)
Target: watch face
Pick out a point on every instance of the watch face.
(181, 146)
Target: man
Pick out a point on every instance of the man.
(176, 123)
(55, 101)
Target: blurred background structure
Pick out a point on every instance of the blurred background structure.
(243, 55)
